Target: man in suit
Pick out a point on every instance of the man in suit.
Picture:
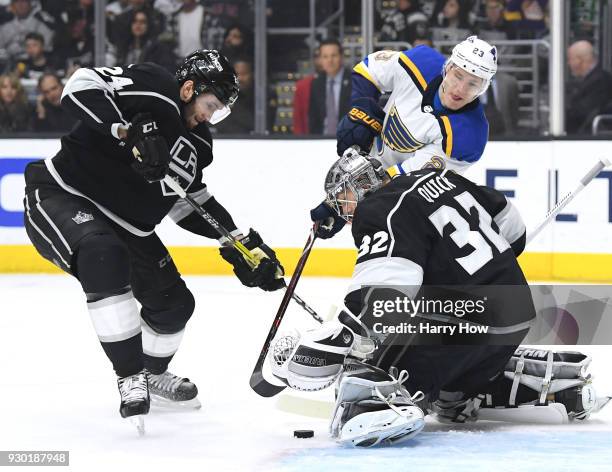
(330, 91)
(501, 105)
(592, 90)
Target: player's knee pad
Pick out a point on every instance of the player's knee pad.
(102, 264)
(168, 310)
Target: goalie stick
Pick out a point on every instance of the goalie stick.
(323, 407)
(248, 255)
(257, 381)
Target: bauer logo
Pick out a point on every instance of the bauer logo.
(12, 190)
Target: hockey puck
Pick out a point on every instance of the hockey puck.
(303, 433)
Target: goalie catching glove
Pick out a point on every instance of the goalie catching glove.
(149, 148)
(267, 274)
(360, 125)
(314, 360)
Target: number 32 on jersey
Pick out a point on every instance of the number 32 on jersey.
(379, 242)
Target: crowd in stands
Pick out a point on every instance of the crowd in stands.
(42, 42)
(414, 22)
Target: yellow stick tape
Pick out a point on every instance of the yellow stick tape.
(331, 263)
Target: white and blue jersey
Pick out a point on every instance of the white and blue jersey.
(418, 132)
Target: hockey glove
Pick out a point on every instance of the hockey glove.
(329, 221)
(313, 360)
(149, 148)
(360, 125)
(267, 275)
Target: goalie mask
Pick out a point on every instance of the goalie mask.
(350, 179)
(211, 72)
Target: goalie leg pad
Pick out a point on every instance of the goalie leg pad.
(537, 386)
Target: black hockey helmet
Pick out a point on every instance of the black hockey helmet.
(211, 72)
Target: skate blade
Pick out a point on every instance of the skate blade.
(161, 402)
(138, 422)
(380, 429)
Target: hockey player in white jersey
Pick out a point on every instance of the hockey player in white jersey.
(430, 232)
(432, 119)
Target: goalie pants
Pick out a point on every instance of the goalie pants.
(467, 369)
(115, 268)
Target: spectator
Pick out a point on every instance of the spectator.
(526, 17)
(15, 112)
(37, 62)
(50, 117)
(405, 23)
(114, 9)
(168, 7)
(120, 28)
(424, 40)
(242, 119)
(237, 42)
(26, 20)
(187, 27)
(221, 14)
(301, 98)
(55, 9)
(330, 91)
(495, 27)
(142, 47)
(592, 90)
(501, 105)
(76, 42)
(5, 14)
(451, 20)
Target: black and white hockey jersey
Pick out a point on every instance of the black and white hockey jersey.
(437, 228)
(94, 163)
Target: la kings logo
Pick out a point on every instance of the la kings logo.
(183, 165)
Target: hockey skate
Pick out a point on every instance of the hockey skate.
(170, 391)
(372, 409)
(135, 399)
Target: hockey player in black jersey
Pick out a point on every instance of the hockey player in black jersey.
(430, 235)
(92, 210)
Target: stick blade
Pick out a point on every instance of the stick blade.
(262, 387)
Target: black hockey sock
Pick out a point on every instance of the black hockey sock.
(157, 365)
(103, 270)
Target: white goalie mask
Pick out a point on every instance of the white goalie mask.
(350, 179)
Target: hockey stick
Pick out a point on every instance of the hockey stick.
(561, 204)
(248, 255)
(320, 408)
(257, 382)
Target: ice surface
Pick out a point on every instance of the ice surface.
(58, 392)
